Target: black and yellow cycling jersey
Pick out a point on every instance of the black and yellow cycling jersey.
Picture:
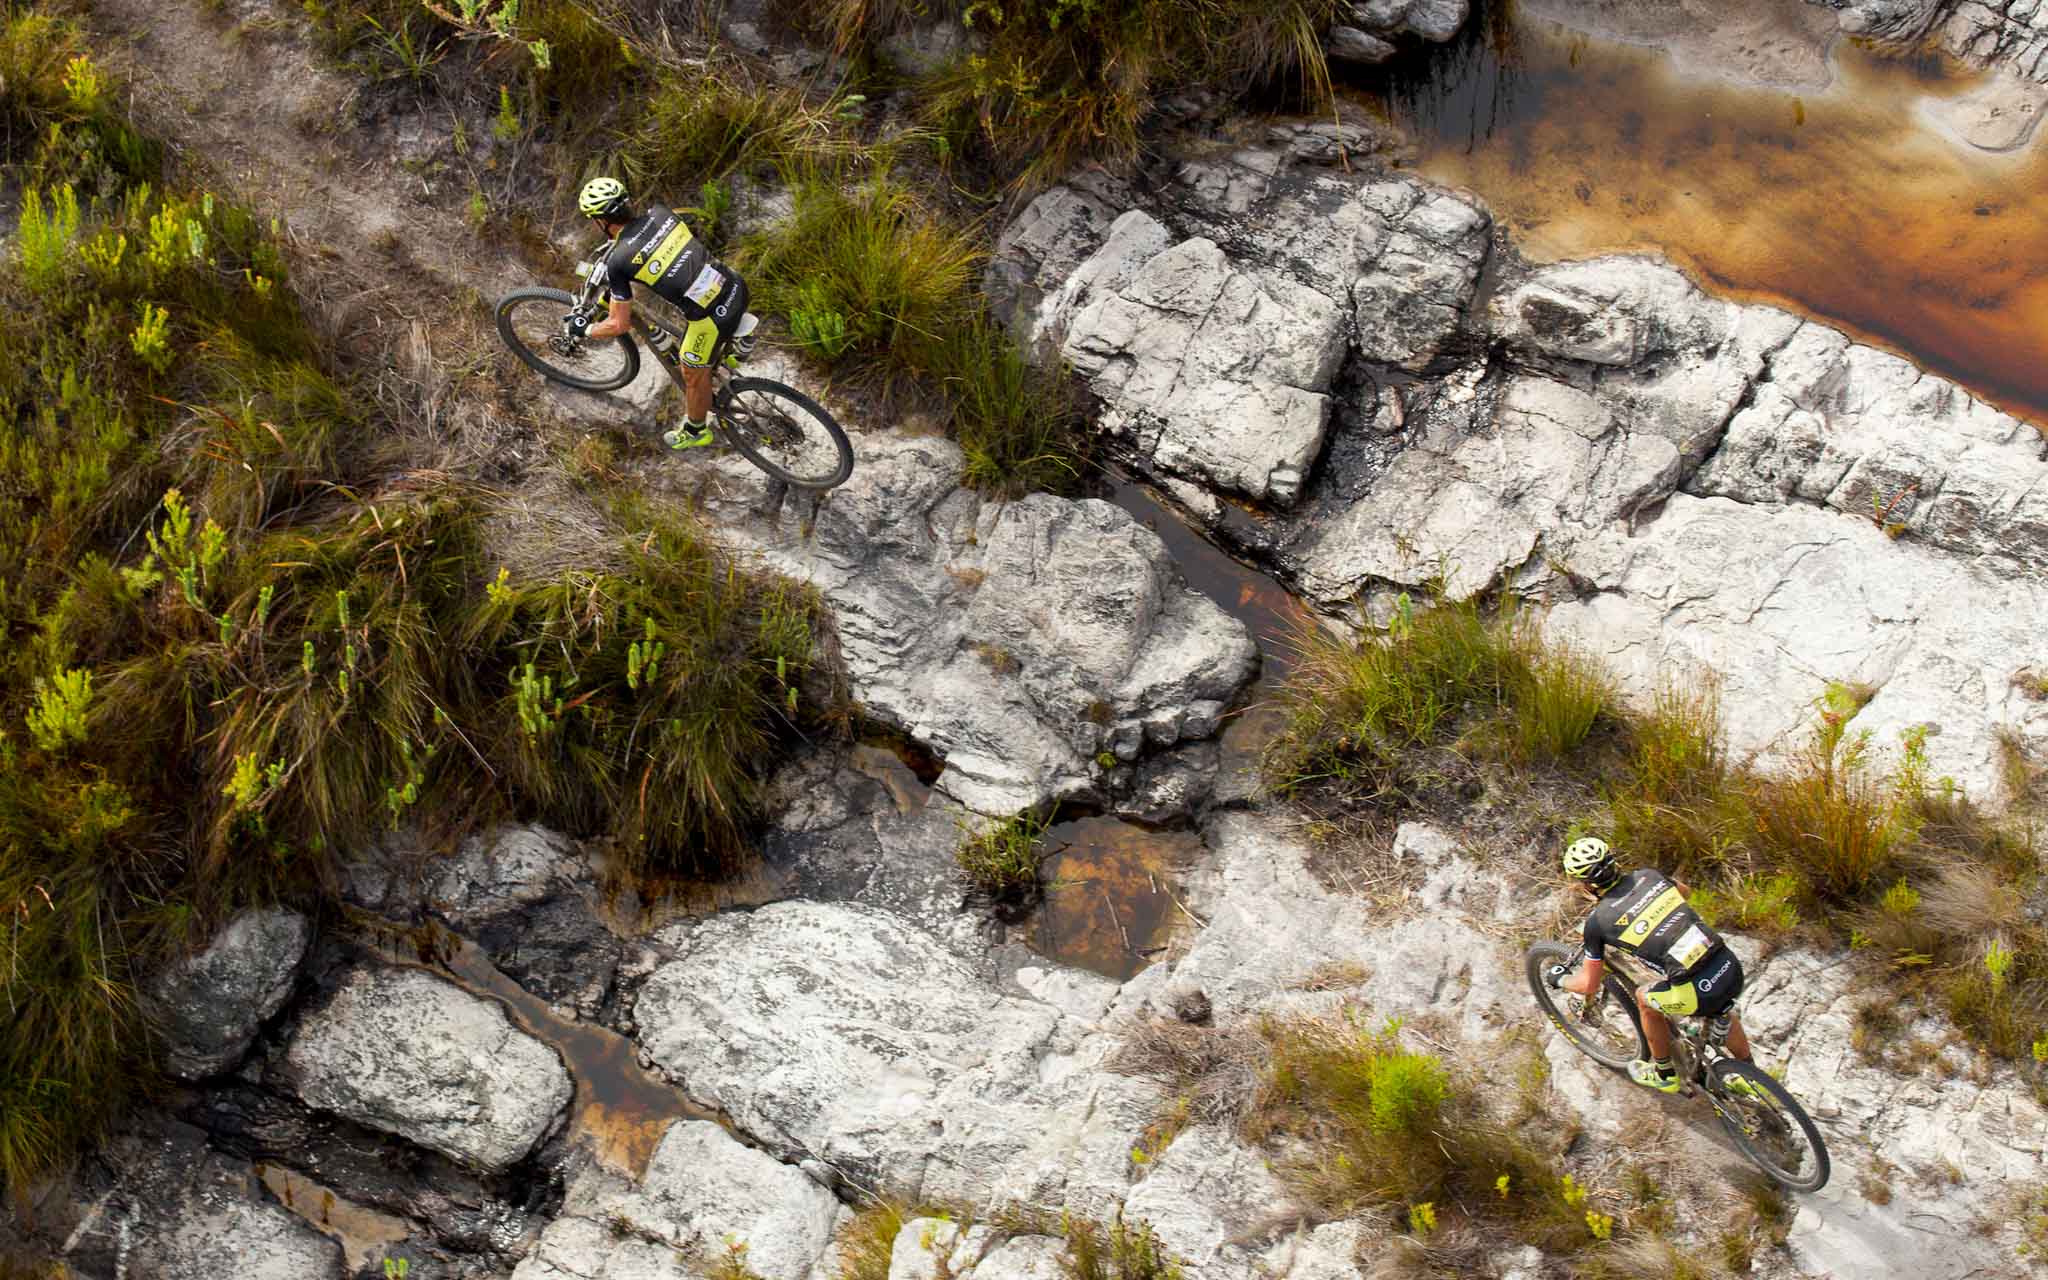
(1646, 915)
(657, 249)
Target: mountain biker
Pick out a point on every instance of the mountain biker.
(1644, 912)
(653, 247)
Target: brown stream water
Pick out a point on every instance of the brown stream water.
(1109, 895)
(1846, 203)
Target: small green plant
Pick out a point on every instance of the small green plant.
(1002, 858)
(82, 83)
(1422, 1218)
(45, 236)
(58, 719)
(1997, 963)
(1123, 1251)
(149, 339)
(1600, 1224)
(1900, 901)
(396, 1268)
(493, 20)
(507, 126)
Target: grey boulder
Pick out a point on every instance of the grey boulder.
(209, 1007)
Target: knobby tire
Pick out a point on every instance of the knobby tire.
(1617, 1007)
(1784, 1127)
(529, 322)
(784, 432)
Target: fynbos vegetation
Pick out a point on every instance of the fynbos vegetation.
(237, 648)
(1898, 864)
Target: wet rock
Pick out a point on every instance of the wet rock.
(527, 896)
(407, 1053)
(703, 1198)
(838, 1033)
(176, 1211)
(1349, 44)
(1436, 20)
(1171, 786)
(1412, 296)
(209, 1007)
(1018, 640)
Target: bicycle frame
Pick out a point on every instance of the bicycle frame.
(643, 323)
(1694, 1045)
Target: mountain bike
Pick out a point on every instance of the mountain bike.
(776, 427)
(1766, 1122)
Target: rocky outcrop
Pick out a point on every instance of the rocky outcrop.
(158, 1203)
(835, 1033)
(527, 896)
(704, 1199)
(1221, 368)
(209, 1007)
(2005, 33)
(407, 1053)
(1021, 641)
(1369, 30)
(1560, 441)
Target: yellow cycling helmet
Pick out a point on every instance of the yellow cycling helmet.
(603, 198)
(1589, 859)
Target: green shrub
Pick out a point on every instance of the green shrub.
(1359, 1121)
(1016, 422)
(895, 273)
(645, 701)
(60, 116)
(1052, 82)
(707, 123)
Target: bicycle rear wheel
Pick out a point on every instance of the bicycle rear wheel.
(1605, 1027)
(785, 433)
(530, 322)
(1770, 1126)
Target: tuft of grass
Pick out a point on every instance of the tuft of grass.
(708, 123)
(870, 271)
(1016, 421)
(1364, 1121)
(868, 1239)
(1002, 858)
(1121, 1251)
(1449, 674)
(1049, 83)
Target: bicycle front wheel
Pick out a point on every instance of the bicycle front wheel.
(530, 322)
(785, 433)
(1770, 1126)
(1605, 1027)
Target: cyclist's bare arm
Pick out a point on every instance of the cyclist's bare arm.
(616, 321)
(1587, 979)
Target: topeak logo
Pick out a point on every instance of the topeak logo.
(654, 267)
(640, 257)
(1622, 922)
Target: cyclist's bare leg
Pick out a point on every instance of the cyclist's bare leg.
(1655, 1028)
(696, 391)
(1737, 1041)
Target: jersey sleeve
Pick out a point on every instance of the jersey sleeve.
(1596, 945)
(618, 284)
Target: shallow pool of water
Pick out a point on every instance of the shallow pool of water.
(1849, 203)
(1109, 902)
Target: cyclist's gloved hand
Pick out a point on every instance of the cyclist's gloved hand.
(1555, 975)
(576, 324)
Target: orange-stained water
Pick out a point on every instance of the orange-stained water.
(1845, 203)
(1109, 893)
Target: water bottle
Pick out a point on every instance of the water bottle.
(664, 344)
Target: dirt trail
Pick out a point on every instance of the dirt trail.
(260, 113)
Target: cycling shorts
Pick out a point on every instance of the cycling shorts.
(702, 336)
(1708, 991)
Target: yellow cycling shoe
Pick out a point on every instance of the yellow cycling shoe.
(1647, 1074)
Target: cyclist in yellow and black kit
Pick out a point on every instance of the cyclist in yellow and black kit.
(655, 248)
(1645, 914)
